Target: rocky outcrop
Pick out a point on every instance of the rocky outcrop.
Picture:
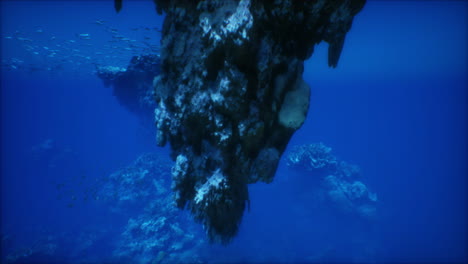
(133, 86)
(335, 183)
(231, 94)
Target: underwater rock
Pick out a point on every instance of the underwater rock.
(337, 181)
(118, 5)
(312, 157)
(133, 86)
(231, 94)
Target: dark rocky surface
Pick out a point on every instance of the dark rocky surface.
(230, 94)
(133, 86)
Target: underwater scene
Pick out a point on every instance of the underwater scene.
(234, 131)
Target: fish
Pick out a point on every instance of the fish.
(99, 22)
(84, 36)
(24, 39)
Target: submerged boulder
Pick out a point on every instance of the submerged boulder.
(231, 94)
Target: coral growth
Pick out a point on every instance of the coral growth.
(230, 94)
(338, 181)
(133, 86)
(158, 233)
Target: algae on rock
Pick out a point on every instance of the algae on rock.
(231, 94)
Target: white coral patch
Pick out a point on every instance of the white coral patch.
(217, 98)
(180, 167)
(205, 25)
(213, 182)
(241, 18)
(237, 24)
(114, 69)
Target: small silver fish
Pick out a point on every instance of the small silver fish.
(99, 22)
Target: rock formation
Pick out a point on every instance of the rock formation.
(336, 183)
(230, 94)
(133, 86)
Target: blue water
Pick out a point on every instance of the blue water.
(396, 106)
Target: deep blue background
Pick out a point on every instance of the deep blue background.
(396, 106)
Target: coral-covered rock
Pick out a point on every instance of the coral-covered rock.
(312, 157)
(133, 86)
(157, 233)
(338, 182)
(146, 179)
(231, 94)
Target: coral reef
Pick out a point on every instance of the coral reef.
(146, 179)
(230, 94)
(157, 233)
(338, 182)
(159, 236)
(146, 226)
(43, 249)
